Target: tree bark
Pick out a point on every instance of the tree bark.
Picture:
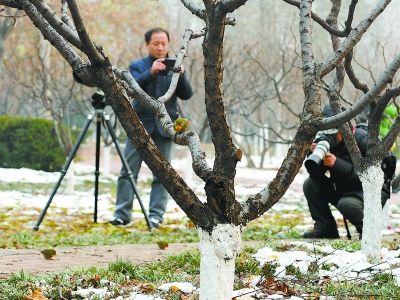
(372, 180)
(218, 251)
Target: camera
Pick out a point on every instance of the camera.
(99, 100)
(325, 142)
(169, 63)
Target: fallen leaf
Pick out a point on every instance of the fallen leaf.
(174, 289)
(35, 295)
(48, 253)
(147, 288)
(162, 244)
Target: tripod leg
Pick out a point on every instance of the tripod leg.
(64, 170)
(99, 117)
(128, 170)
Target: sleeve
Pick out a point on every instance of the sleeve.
(141, 74)
(184, 89)
(361, 137)
(344, 167)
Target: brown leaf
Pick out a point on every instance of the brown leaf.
(48, 253)
(273, 286)
(162, 244)
(147, 288)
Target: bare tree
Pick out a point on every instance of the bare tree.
(8, 20)
(258, 100)
(221, 218)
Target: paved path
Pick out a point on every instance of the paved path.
(32, 261)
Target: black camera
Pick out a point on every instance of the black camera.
(169, 63)
(325, 142)
(99, 100)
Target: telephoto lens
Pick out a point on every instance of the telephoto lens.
(315, 159)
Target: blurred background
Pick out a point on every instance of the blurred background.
(262, 83)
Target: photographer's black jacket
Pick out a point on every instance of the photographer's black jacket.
(342, 174)
(156, 86)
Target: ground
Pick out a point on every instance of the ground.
(24, 193)
(33, 262)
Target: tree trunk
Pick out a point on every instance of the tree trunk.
(218, 251)
(372, 181)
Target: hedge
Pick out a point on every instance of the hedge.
(30, 143)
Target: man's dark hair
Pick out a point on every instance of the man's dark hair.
(149, 33)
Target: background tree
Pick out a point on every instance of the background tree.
(42, 83)
(221, 218)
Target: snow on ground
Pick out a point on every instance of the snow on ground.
(248, 182)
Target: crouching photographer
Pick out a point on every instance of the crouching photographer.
(333, 181)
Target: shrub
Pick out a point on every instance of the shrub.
(29, 142)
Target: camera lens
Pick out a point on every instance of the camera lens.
(315, 159)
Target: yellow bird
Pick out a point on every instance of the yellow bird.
(181, 125)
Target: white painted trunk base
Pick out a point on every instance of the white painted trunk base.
(372, 181)
(218, 251)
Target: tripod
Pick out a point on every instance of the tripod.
(100, 116)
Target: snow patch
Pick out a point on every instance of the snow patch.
(185, 287)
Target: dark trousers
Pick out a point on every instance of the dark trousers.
(158, 194)
(319, 193)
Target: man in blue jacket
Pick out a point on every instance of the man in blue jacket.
(154, 78)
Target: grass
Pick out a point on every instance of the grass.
(121, 277)
(60, 230)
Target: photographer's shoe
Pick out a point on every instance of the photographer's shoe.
(155, 222)
(118, 222)
(317, 234)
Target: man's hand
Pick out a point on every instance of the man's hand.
(157, 66)
(329, 160)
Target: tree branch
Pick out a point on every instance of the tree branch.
(188, 138)
(350, 16)
(69, 54)
(376, 114)
(365, 100)
(94, 55)
(179, 58)
(353, 38)
(213, 73)
(320, 21)
(306, 39)
(198, 10)
(12, 4)
(50, 16)
(64, 15)
(350, 72)
(231, 5)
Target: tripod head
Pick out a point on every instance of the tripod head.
(98, 100)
